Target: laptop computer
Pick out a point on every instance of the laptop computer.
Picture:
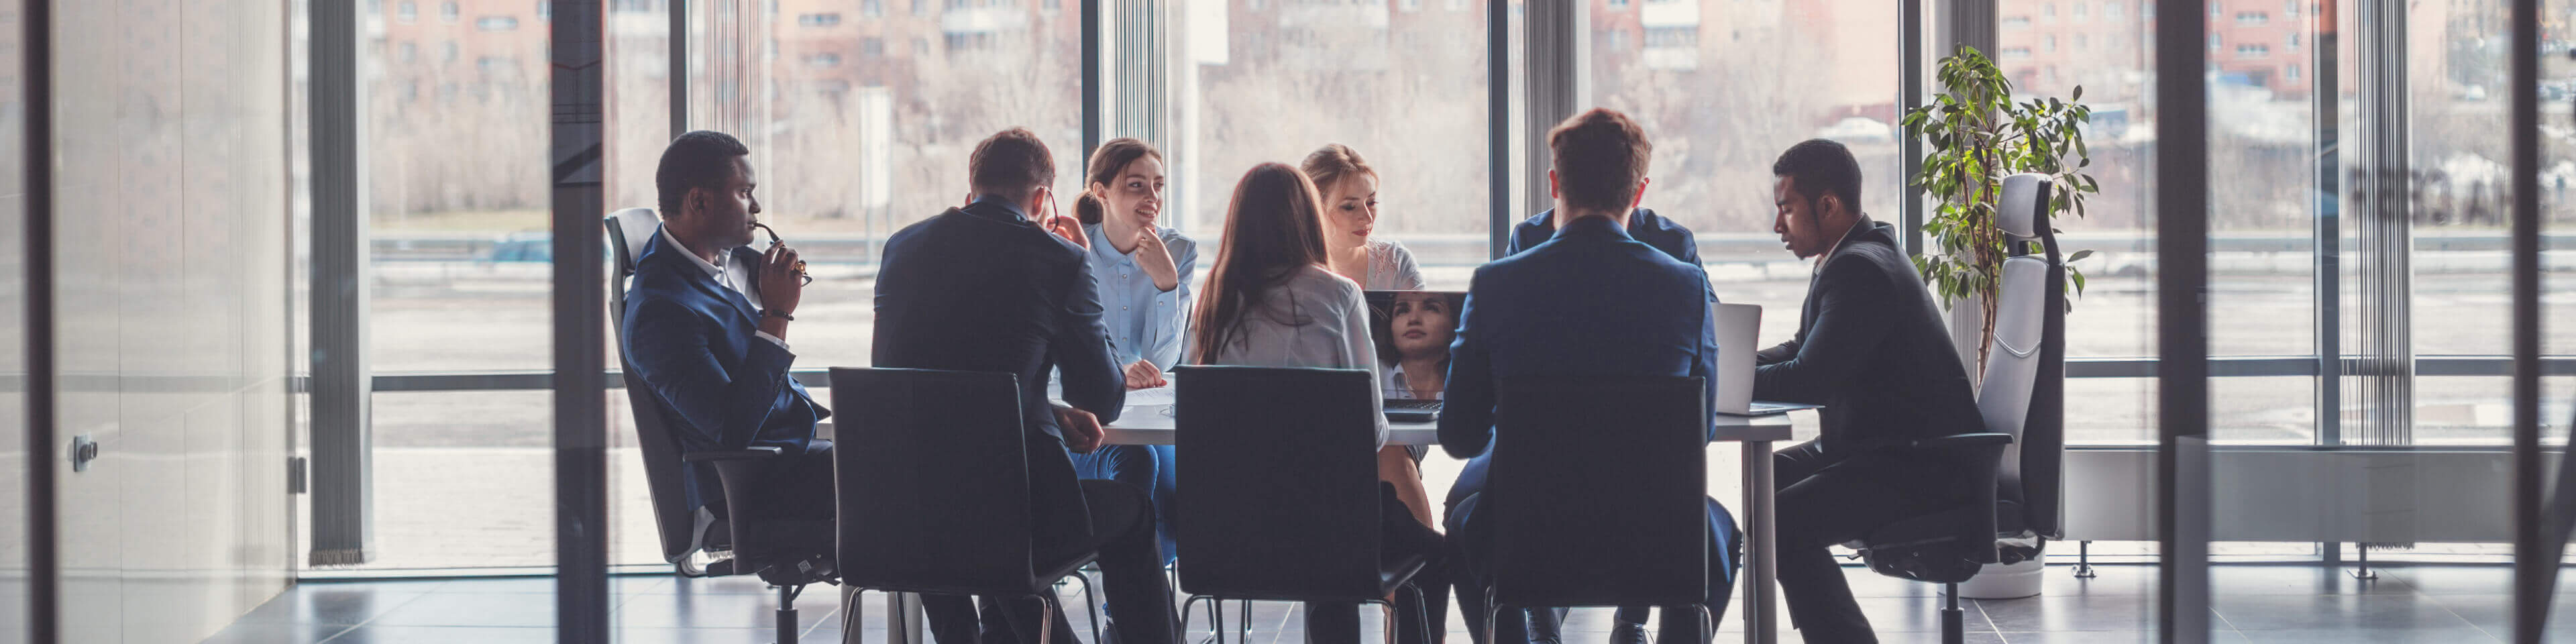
(1418, 325)
(1737, 325)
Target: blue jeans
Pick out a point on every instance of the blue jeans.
(1149, 468)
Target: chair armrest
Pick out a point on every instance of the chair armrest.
(1982, 439)
(750, 453)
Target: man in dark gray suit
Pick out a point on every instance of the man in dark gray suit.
(1872, 349)
(987, 288)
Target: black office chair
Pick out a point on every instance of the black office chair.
(1282, 492)
(682, 484)
(2022, 401)
(934, 490)
(1632, 530)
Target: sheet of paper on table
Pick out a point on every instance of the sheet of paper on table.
(1154, 396)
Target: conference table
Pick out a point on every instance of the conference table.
(1148, 420)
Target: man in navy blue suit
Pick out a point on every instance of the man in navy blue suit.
(985, 287)
(1629, 625)
(706, 328)
(1590, 301)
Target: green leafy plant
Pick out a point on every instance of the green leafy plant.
(1975, 135)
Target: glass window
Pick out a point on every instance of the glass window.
(407, 11)
(1276, 83)
(1720, 111)
(849, 152)
(461, 266)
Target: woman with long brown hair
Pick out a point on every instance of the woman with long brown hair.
(1272, 303)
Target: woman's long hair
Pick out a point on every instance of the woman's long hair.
(1106, 162)
(1273, 229)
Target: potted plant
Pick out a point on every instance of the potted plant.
(1976, 134)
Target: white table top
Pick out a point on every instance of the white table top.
(1151, 424)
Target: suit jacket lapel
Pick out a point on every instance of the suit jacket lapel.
(718, 290)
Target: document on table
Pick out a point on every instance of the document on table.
(1153, 396)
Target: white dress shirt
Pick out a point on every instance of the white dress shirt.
(733, 274)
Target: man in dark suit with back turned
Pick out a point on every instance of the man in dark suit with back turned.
(1628, 626)
(706, 329)
(986, 288)
(1872, 349)
(1590, 302)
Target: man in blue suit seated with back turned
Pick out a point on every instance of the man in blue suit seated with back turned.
(1629, 625)
(706, 328)
(1590, 301)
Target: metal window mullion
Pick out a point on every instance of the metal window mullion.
(1498, 125)
(2326, 277)
(678, 67)
(2536, 553)
(342, 440)
(580, 322)
(1909, 84)
(44, 566)
(1091, 106)
(2182, 322)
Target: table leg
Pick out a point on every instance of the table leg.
(1760, 558)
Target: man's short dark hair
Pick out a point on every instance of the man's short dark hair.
(1599, 156)
(1010, 164)
(1818, 166)
(699, 159)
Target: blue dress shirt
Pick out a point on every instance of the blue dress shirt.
(1144, 322)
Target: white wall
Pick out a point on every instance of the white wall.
(172, 262)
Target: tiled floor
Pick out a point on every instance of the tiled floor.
(2434, 604)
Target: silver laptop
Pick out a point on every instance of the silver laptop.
(1737, 324)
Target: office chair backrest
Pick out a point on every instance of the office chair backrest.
(1280, 486)
(680, 510)
(1598, 492)
(932, 478)
(2023, 392)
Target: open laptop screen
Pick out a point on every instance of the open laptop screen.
(1412, 330)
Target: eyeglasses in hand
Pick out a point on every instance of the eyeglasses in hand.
(774, 241)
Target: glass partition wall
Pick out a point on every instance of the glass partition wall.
(2356, 249)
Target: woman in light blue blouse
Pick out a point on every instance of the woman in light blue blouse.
(1144, 272)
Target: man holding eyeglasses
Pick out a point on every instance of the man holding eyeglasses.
(706, 328)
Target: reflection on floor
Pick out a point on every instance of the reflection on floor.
(2445, 604)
